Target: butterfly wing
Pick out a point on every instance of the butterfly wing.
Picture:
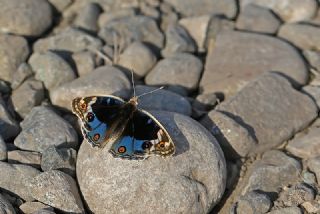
(99, 115)
(144, 135)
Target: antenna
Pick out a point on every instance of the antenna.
(133, 86)
(157, 89)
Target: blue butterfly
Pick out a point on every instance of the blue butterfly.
(133, 132)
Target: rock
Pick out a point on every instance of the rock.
(138, 58)
(309, 178)
(181, 69)
(42, 128)
(23, 72)
(311, 207)
(85, 62)
(102, 81)
(60, 5)
(192, 181)
(51, 69)
(58, 190)
(203, 103)
(291, 110)
(252, 55)
(28, 18)
(3, 150)
(130, 29)
(287, 210)
(25, 157)
(5, 206)
(304, 36)
(87, 18)
(32, 207)
(70, 39)
(168, 19)
(252, 202)
(163, 100)
(296, 195)
(314, 165)
(149, 11)
(14, 50)
(63, 159)
(9, 128)
(313, 57)
(274, 171)
(109, 16)
(15, 177)
(27, 96)
(257, 19)
(287, 10)
(204, 7)
(313, 92)
(178, 40)
(44, 211)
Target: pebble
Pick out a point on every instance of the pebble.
(58, 190)
(287, 210)
(27, 96)
(288, 10)
(87, 18)
(138, 58)
(251, 54)
(205, 101)
(252, 202)
(313, 92)
(34, 206)
(304, 36)
(9, 128)
(60, 5)
(109, 16)
(85, 62)
(21, 174)
(5, 206)
(177, 40)
(168, 19)
(63, 159)
(149, 11)
(42, 128)
(181, 69)
(314, 165)
(52, 69)
(257, 19)
(28, 18)
(14, 50)
(313, 58)
(104, 80)
(296, 195)
(70, 39)
(23, 72)
(3, 150)
(197, 171)
(311, 207)
(25, 157)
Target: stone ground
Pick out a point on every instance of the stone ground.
(241, 103)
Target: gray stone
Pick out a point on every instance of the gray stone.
(24, 157)
(102, 81)
(203, 7)
(252, 202)
(138, 58)
(191, 181)
(60, 5)
(178, 40)
(87, 18)
(168, 19)
(274, 171)
(3, 150)
(181, 69)
(28, 18)
(129, 29)
(290, 112)
(5, 206)
(314, 165)
(288, 10)
(23, 72)
(311, 206)
(14, 178)
(252, 55)
(149, 11)
(42, 127)
(314, 92)
(85, 62)
(205, 101)
(62, 159)
(8, 126)
(27, 96)
(70, 39)
(32, 207)
(14, 50)
(287, 210)
(109, 16)
(58, 190)
(163, 100)
(44, 211)
(304, 36)
(296, 195)
(257, 19)
(313, 57)
(52, 69)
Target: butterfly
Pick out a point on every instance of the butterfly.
(134, 133)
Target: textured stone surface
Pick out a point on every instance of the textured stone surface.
(252, 55)
(8, 126)
(313, 92)
(102, 81)
(24, 157)
(109, 16)
(21, 174)
(58, 190)
(192, 181)
(3, 150)
(60, 5)
(5, 206)
(13, 51)
(181, 69)
(87, 18)
(42, 128)
(85, 62)
(313, 57)
(314, 165)
(23, 72)
(287, 210)
(32, 207)
(29, 18)
(296, 195)
(252, 202)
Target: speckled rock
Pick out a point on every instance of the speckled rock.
(23, 72)
(252, 55)
(87, 18)
(192, 181)
(85, 62)
(42, 127)
(252, 202)
(21, 174)
(14, 50)
(8, 126)
(287, 210)
(58, 190)
(3, 150)
(29, 18)
(102, 81)
(5, 206)
(138, 58)
(32, 207)
(52, 69)
(181, 69)
(297, 195)
(25, 157)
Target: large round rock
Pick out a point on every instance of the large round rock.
(191, 181)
